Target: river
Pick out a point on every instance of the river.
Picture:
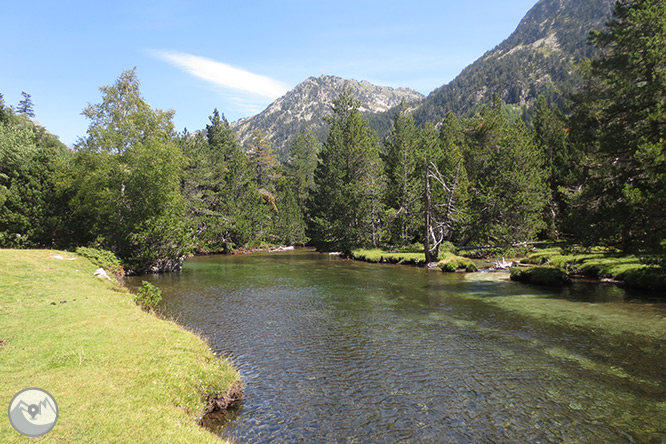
(342, 351)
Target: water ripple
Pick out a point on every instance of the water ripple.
(354, 353)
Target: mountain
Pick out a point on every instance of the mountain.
(310, 101)
(537, 58)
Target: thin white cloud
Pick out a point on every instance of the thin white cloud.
(224, 75)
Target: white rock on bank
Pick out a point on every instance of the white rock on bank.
(100, 273)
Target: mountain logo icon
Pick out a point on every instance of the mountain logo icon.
(33, 412)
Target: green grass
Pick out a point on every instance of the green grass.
(381, 256)
(541, 275)
(118, 374)
(448, 261)
(599, 263)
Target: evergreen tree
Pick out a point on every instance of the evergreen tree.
(226, 208)
(624, 112)
(403, 163)
(300, 167)
(264, 158)
(509, 191)
(346, 207)
(25, 106)
(289, 221)
(562, 164)
(451, 164)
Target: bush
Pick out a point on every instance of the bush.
(413, 248)
(148, 296)
(549, 276)
(102, 258)
(447, 247)
(451, 263)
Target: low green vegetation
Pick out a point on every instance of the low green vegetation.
(102, 258)
(377, 255)
(118, 374)
(601, 263)
(148, 296)
(450, 262)
(414, 256)
(539, 275)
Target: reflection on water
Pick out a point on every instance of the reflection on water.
(339, 351)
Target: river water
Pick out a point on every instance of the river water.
(342, 351)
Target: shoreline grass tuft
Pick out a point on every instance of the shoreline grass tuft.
(118, 374)
(448, 261)
(599, 263)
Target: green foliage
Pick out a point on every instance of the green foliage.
(263, 158)
(404, 184)
(562, 164)
(100, 258)
(25, 106)
(148, 296)
(300, 168)
(225, 206)
(32, 213)
(548, 276)
(125, 181)
(450, 263)
(346, 206)
(289, 226)
(509, 191)
(619, 121)
(447, 247)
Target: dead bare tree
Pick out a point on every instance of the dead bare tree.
(440, 217)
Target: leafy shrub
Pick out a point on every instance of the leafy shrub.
(451, 263)
(549, 276)
(449, 267)
(102, 258)
(148, 296)
(447, 247)
(413, 248)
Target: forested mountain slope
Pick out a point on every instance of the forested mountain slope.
(537, 58)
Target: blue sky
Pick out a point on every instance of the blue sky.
(235, 56)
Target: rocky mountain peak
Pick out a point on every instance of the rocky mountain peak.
(310, 101)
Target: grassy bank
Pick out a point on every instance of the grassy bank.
(601, 264)
(377, 255)
(117, 373)
(448, 261)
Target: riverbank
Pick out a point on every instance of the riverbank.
(118, 374)
(601, 265)
(594, 265)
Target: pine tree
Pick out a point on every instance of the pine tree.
(624, 112)
(507, 175)
(451, 164)
(346, 204)
(25, 106)
(300, 167)
(264, 158)
(562, 164)
(226, 208)
(403, 179)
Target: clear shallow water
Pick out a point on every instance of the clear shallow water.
(340, 351)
